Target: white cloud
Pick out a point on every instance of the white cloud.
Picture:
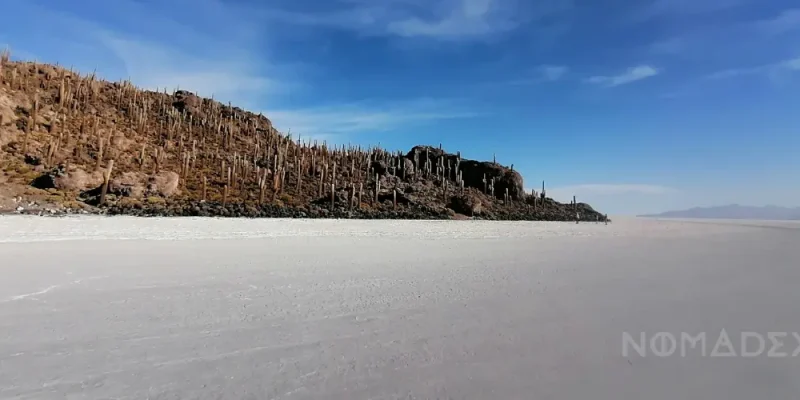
(204, 46)
(442, 20)
(773, 70)
(15, 53)
(786, 21)
(610, 188)
(678, 8)
(734, 72)
(151, 66)
(212, 49)
(793, 64)
(542, 74)
(631, 75)
(616, 199)
(726, 38)
(468, 19)
(342, 120)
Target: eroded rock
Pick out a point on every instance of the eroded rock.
(128, 184)
(467, 204)
(78, 179)
(164, 184)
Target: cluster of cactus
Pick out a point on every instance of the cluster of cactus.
(220, 152)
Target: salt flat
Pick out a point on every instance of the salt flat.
(130, 308)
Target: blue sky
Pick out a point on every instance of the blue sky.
(633, 106)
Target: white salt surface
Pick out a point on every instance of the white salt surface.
(129, 308)
(20, 228)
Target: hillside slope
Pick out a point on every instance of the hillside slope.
(74, 142)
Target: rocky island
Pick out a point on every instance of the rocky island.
(74, 143)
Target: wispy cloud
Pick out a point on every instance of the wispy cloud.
(443, 20)
(786, 21)
(214, 49)
(365, 117)
(184, 46)
(553, 72)
(773, 70)
(727, 37)
(680, 8)
(792, 65)
(153, 66)
(612, 188)
(467, 19)
(631, 75)
(542, 74)
(617, 198)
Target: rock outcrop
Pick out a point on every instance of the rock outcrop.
(481, 175)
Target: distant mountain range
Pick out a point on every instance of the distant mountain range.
(734, 211)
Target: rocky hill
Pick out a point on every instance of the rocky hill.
(75, 143)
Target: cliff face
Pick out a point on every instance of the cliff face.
(71, 141)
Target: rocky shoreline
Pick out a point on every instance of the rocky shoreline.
(218, 210)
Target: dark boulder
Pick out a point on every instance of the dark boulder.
(418, 155)
(379, 167)
(44, 181)
(187, 101)
(389, 198)
(473, 172)
(32, 160)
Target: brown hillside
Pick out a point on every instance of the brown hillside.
(70, 141)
